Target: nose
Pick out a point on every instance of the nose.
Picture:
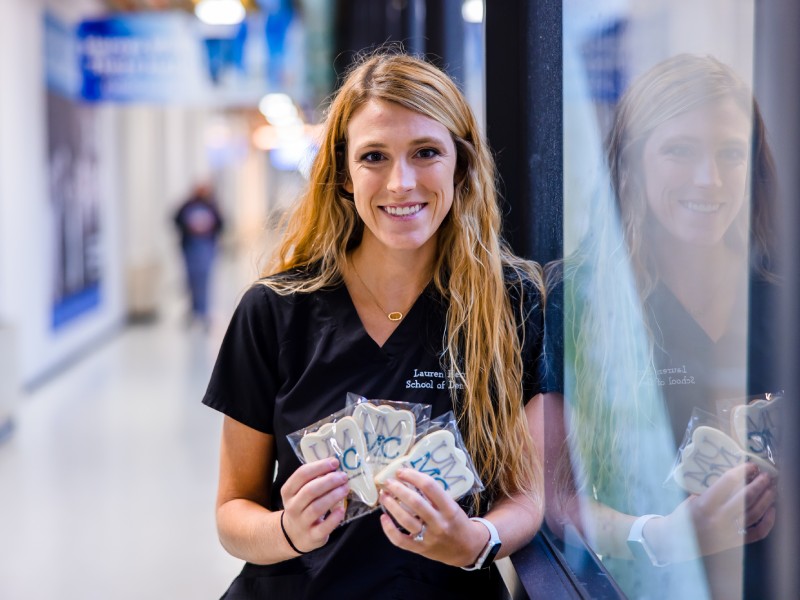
(707, 172)
(402, 178)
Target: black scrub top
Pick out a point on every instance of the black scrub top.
(288, 361)
(695, 371)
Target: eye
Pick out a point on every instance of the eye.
(428, 153)
(680, 151)
(732, 155)
(371, 157)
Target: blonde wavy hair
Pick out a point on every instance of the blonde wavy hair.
(471, 272)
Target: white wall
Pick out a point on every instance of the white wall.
(26, 219)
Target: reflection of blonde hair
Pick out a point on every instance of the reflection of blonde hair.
(615, 397)
(482, 345)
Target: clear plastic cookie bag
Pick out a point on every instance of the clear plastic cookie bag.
(709, 449)
(339, 435)
(440, 453)
(755, 424)
(390, 427)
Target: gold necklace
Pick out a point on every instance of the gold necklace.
(395, 315)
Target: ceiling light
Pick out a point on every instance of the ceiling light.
(220, 12)
(472, 11)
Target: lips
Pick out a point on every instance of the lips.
(403, 211)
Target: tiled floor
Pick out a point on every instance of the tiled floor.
(107, 483)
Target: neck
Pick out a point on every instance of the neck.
(392, 281)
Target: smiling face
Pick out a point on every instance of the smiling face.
(695, 170)
(401, 167)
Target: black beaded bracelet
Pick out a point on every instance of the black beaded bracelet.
(286, 535)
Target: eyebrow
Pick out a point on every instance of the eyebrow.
(414, 142)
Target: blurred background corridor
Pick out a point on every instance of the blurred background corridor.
(109, 478)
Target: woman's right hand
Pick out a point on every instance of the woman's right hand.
(313, 501)
(737, 509)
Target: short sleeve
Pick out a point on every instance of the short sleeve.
(527, 305)
(244, 381)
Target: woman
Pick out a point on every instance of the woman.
(391, 265)
(668, 308)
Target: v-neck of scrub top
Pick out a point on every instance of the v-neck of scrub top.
(406, 332)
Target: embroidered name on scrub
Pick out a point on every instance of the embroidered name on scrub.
(436, 455)
(388, 432)
(344, 440)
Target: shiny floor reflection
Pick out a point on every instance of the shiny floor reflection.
(107, 484)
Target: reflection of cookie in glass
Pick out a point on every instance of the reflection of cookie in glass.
(755, 427)
(343, 439)
(710, 454)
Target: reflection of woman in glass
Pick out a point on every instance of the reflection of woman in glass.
(667, 307)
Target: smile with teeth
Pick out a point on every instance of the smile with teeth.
(702, 207)
(403, 211)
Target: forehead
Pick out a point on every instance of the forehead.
(382, 121)
(723, 119)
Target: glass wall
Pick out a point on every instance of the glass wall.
(668, 290)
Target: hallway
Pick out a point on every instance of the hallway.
(107, 483)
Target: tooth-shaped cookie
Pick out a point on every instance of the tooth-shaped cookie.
(436, 455)
(344, 440)
(756, 427)
(388, 432)
(708, 455)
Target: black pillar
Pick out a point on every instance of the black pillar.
(777, 87)
(524, 120)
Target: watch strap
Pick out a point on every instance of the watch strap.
(490, 550)
(639, 546)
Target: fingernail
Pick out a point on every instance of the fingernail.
(334, 462)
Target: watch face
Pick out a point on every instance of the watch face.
(487, 562)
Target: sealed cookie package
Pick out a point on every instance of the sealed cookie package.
(709, 449)
(390, 427)
(441, 454)
(339, 435)
(755, 424)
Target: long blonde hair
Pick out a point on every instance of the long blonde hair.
(471, 271)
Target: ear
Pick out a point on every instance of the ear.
(347, 185)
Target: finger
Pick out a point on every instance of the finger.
(412, 499)
(325, 527)
(765, 498)
(401, 540)
(325, 503)
(306, 473)
(432, 490)
(403, 518)
(761, 529)
(728, 490)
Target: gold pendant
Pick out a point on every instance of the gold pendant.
(395, 316)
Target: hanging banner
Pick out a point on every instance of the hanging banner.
(169, 57)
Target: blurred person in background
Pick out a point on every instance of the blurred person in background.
(199, 224)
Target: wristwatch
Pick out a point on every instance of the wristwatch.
(486, 557)
(638, 545)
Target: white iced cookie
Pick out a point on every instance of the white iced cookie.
(388, 432)
(435, 455)
(756, 427)
(344, 440)
(710, 453)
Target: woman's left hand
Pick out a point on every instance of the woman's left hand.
(438, 527)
